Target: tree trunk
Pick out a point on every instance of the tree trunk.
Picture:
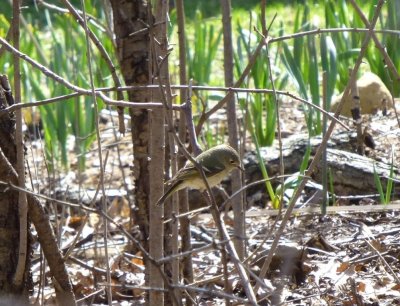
(187, 263)
(237, 202)
(133, 52)
(9, 217)
(132, 40)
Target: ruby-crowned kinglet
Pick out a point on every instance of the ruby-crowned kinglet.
(216, 162)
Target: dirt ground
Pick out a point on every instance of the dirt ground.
(345, 258)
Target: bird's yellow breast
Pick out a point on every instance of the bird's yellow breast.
(198, 183)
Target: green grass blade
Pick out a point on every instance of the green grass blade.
(379, 187)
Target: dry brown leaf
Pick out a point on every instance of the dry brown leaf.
(76, 221)
(360, 268)
(343, 267)
(361, 287)
(119, 207)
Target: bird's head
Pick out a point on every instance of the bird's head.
(230, 157)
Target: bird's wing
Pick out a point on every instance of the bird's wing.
(211, 171)
(187, 172)
(212, 166)
(182, 174)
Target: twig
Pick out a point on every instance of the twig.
(324, 163)
(103, 53)
(331, 30)
(231, 115)
(186, 244)
(254, 56)
(107, 100)
(158, 60)
(238, 83)
(194, 212)
(364, 228)
(356, 114)
(100, 153)
(187, 110)
(190, 252)
(45, 235)
(87, 266)
(318, 154)
(144, 253)
(58, 9)
(154, 105)
(20, 272)
(31, 194)
(230, 247)
(382, 49)
(43, 69)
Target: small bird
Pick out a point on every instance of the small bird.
(216, 162)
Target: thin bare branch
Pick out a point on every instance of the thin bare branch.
(318, 154)
(20, 273)
(103, 53)
(42, 68)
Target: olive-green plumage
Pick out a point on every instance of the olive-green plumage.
(217, 162)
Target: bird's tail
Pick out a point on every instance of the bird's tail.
(171, 189)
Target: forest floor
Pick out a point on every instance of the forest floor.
(345, 258)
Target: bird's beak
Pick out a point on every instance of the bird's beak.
(240, 167)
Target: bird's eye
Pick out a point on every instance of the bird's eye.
(232, 161)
